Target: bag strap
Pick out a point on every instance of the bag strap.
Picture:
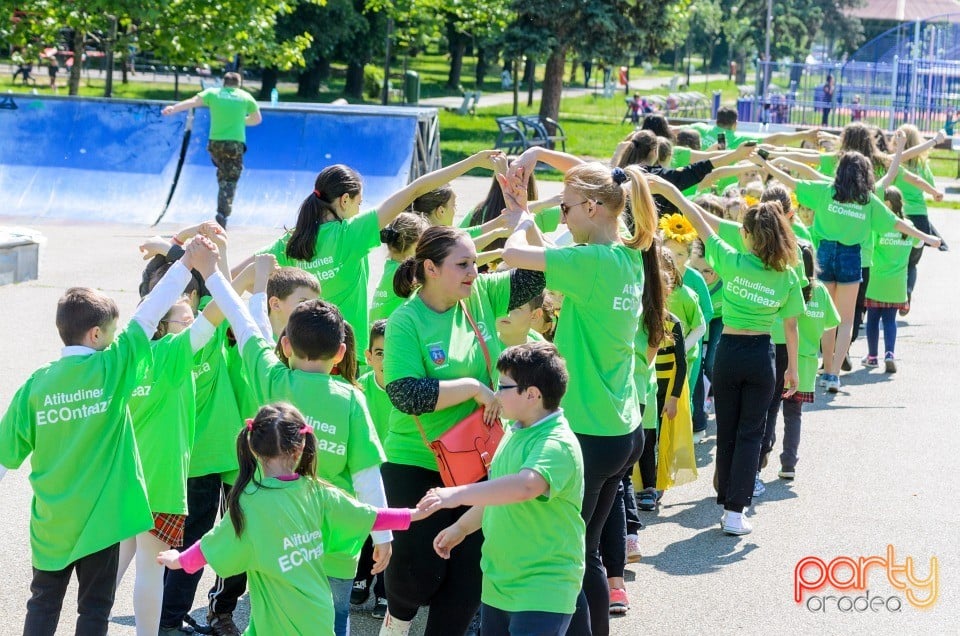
(483, 344)
(486, 357)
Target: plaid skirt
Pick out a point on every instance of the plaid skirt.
(876, 304)
(169, 528)
(804, 397)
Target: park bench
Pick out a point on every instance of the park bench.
(516, 134)
(469, 105)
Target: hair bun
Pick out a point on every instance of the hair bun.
(619, 176)
(389, 234)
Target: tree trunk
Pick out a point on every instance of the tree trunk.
(573, 72)
(481, 67)
(77, 47)
(458, 46)
(553, 86)
(323, 68)
(268, 81)
(308, 82)
(124, 77)
(354, 85)
(741, 59)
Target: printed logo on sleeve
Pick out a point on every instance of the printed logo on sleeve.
(437, 354)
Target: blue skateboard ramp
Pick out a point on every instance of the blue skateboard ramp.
(285, 153)
(105, 160)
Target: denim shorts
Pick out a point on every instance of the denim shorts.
(838, 263)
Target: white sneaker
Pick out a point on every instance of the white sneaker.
(758, 487)
(394, 626)
(633, 549)
(735, 524)
(699, 437)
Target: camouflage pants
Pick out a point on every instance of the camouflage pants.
(227, 156)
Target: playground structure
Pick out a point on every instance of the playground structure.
(121, 161)
(909, 74)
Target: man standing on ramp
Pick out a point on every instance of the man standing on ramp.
(232, 109)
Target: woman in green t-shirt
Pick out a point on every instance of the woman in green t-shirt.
(332, 240)
(846, 212)
(436, 371)
(601, 279)
(759, 287)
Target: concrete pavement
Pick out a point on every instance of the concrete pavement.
(876, 470)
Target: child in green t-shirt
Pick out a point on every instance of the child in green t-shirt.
(315, 343)
(378, 403)
(401, 238)
(281, 523)
(287, 287)
(72, 416)
(517, 326)
(536, 481)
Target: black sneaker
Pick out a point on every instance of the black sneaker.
(360, 592)
(222, 625)
(379, 608)
(647, 499)
(176, 631)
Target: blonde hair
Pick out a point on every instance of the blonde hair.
(595, 181)
(913, 139)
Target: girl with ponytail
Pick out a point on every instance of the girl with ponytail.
(284, 526)
(401, 238)
(602, 282)
(332, 240)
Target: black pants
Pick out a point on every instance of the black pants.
(859, 310)
(743, 388)
(622, 520)
(770, 423)
(697, 413)
(605, 461)
(417, 576)
(922, 223)
(364, 567)
(97, 579)
(205, 497)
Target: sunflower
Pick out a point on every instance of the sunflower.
(750, 201)
(678, 228)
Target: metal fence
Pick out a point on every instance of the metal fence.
(917, 91)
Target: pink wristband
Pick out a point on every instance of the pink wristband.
(392, 519)
(192, 559)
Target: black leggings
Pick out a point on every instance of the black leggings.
(605, 461)
(860, 309)
(743, 387)
(417, 576)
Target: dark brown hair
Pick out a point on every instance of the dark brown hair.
(79, 310)
(536, 364)
(657, 124)
(425, 204)
(643, 143)
(404, 232)
(854, 181)
(654, 298)
(331, 184)
(278, 430)
(773, 240)
(434, 245)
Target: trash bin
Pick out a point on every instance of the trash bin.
(411, 88)
(745, 109)
(715, 104)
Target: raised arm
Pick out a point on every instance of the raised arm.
(919, 149)
(531, 156)
(783, 139)
(401, 200)
(898, 140)
(194, 102)
(778, 174)
(805, 171)
(693, 212)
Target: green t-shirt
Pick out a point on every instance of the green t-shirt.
(347, 441)
(164, 412)
(341, 266)
(385, 301)
(888, 273)
(378, 404)
(709, 135)
(914, 203)
(650, 411)
(683, 303)
(681, 157)
(247, 403)
(289, 527)
(218, 417)
(828, 164)
(422, 343)
(753, 296)
(641, 367)
(729, 232)
(716, 298)
(694, 280)
(548, 220)
(819, 315)
(800, 231)
(229, 108)
(846, 223)
(602, 287)
(88, 486)
(516, 572)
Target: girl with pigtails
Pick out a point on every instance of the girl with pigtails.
(281, 521)
(602, 280)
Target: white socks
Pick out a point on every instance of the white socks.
(148, 585)
(394, 626)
